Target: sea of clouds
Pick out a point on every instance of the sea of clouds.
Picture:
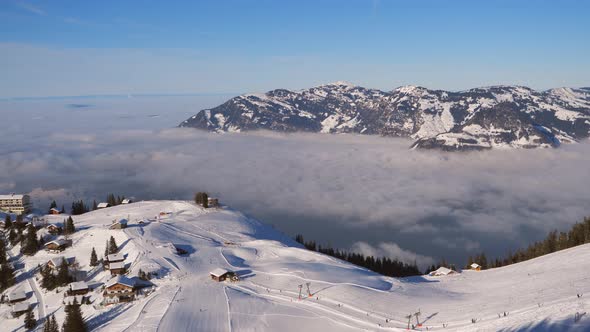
(369, 194)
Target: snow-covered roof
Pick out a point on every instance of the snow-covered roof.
(123, 280)
(22, 306)
(126, 201)
(59, 242)
(56, 261)
(12, 196)
(218, 272)
(117, 265)
(78, 285)
(102, 205)
(442, 271)
(123, 221)
(474, 266)
(17, 295)
(115, 257)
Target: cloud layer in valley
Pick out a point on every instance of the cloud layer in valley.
(370, 194)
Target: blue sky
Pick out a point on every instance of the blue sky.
(55, 48)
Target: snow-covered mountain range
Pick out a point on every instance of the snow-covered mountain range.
(480, 118)
(540, 293)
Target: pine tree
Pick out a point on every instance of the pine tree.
(106, 249)
(93, 258)
(30, 321)
(63, 273)
(6, 276)
(6, 270)
(47, 278)
(63, 209)
(51, 325)
(30, 245)
(52, 206)
(205, 200)
(69, 227)
(12, 237)
(7, 221)
(74, 322)
(94, 205)
(113, 248)
(3, 258)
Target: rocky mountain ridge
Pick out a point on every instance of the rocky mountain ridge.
(475, 119)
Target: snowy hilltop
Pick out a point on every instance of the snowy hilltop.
(476, 119)
(217, 270)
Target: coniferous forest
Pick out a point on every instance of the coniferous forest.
(382, 265)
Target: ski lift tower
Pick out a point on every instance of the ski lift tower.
(300, 287)
(409, 317)
(308, 291)
(417, 314)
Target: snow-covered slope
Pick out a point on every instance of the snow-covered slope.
(481, 118)
(540, 292)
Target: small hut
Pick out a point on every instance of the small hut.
(475, 267)
(119, 224)
(54, 211)
(220, 275)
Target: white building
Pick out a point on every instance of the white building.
(14, 203)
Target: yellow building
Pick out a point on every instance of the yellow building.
(19, 204)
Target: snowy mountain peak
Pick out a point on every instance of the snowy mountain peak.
(500, 116)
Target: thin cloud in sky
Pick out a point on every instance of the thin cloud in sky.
(31, 8)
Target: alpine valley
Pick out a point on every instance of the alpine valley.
(475, 119)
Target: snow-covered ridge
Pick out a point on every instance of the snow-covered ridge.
(508, 116)
(271, 267)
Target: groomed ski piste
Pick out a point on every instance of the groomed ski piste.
(540, 294)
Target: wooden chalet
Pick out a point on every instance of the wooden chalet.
(126, 201)
(220, 275)
(58, 245)
(78, 288)
(117, 268)
(53, 229)
(475, 267)
(119, 224)
(113, 258)
(54, 211)
(119, 289)
(56, 262)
